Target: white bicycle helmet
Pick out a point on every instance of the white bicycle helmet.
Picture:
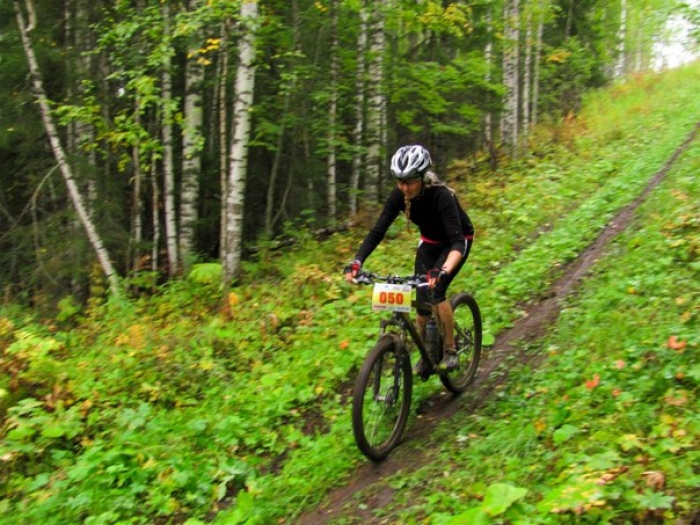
(410, 162)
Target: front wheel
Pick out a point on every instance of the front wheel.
(382, 399)
(467, 327)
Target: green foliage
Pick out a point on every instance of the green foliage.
(567, 73)
(445, 98)
(206, 273)
(179, 405)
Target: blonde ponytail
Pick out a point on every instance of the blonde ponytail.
(407, 203)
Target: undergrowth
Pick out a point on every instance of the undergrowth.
(177, 407)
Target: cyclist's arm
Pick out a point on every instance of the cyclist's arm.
(448, 208)
(452, 260)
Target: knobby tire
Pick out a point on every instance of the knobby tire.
(382, 399)
(467, 319)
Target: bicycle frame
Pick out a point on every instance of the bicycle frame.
(402, 319)
(404, 322)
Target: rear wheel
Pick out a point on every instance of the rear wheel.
(467, 326)
(382, 399)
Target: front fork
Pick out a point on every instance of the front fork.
(403, 322)
(399, 337)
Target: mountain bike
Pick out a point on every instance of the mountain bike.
(382, 394)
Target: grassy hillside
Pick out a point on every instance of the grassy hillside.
(606, 428)
(172, 408)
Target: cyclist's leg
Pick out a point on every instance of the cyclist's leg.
(442, 307)
(443, 312)
(421, 320)
(426, 256)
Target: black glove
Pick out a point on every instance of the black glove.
(438, 274)
(353, 268)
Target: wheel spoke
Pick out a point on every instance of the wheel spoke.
(381, 400)
(467, 322)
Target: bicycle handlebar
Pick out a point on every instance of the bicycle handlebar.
(370, 278)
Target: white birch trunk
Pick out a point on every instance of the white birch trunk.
(621, 65)
(171, 235)
(235, 194)
(360, 87)
(509, 128)
(155, 207)
(191, 147)
(374, 117)
(52, 133)
(536, 72)
(488, 55)
(222, 94)
(136, 204)
(332, 115)
(527, 77)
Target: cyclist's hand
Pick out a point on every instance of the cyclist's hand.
(435, 276)
(351, 270)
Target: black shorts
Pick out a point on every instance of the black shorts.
(430, 256)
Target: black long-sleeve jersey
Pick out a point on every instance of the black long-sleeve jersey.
(437, 213)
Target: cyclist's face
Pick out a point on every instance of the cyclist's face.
(410, 188)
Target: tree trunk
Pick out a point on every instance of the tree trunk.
(360, 87)
(621, 65)
(376, 103)
(222, 111)
(136, 204)
(536, 73)
(171, 234)
(509, 127)
(527, 78)
(155, 210)
(80, 135)
(235, 194)
(73, 191)
(489, 131)
(191, 147)
(332, 114)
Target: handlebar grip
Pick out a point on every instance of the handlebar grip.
(362, 278)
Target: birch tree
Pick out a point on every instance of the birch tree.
(169, 189)
(535, 13)
(620, 66)
(360, 87)
(332, 114)
(527, 73)
(76, 197)
(376, 102)
(192, 141)
(238, 164)
(537, 67)
(222, 117)
(511, 81)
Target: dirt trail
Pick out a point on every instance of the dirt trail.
(532, 326)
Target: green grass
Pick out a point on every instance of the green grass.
(170, 406)
(606, 429)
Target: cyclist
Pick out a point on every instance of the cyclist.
(446, 236)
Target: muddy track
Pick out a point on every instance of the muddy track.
(532, 326)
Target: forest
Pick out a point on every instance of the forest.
(184, 181)
(140, 138)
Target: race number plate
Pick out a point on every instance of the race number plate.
(393, 297)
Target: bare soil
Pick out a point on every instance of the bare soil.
(534, 324)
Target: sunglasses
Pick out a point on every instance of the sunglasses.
(409, 182)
